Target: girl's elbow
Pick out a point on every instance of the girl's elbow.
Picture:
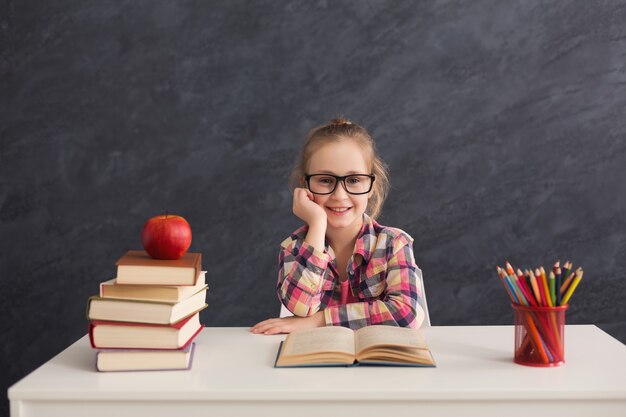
(419, 317)
(411, 318)
(409, 314)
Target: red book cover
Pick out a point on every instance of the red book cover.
(177, 325)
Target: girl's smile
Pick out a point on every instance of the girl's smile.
(338, 211)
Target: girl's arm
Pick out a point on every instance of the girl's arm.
(303, 263)
(302, 277)
(397, 305)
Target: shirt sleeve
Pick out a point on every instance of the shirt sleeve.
(397, 305)
(302, 273)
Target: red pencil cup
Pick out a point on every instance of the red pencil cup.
(539, 335)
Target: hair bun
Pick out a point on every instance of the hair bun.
(341, 121)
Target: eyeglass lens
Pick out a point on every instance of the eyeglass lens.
(325, 184)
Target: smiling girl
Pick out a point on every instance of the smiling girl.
(342, 268)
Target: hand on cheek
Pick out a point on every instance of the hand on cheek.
(306, 208)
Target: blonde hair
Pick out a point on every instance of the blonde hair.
(335, 131)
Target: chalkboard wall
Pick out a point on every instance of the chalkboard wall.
(502, 123)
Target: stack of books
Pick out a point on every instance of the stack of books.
(148, 316)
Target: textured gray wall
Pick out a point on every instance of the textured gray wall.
(502, 122)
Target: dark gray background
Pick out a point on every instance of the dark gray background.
(502, 123)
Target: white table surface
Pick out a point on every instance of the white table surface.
(233, 375)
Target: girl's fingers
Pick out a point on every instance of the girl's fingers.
(303, 195)
(261, 329)
(263, 324)
(274, 326)
(275, 330)
(267, 324)
(269, 329)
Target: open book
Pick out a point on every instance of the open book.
(340, 346)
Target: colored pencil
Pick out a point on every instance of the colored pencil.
(509, 268)
(568, 281)
(520, 295)
(552, 289)
(567, 269)
(537, 275)
(572, 287)
(506, 286)
(545, 293)
(521, 282)
(533, 283)
(524, 289)
(509, 276)
(546, 288)
(515, 297)
(557, 286)
(535, 336)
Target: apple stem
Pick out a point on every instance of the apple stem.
(166, 213)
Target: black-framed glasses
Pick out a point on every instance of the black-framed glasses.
(324, 184)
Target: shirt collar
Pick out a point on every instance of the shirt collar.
(366, 239)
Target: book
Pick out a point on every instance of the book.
(341, 346)
(124, 335)
(108, 360)
(167, 293)
(136, 311)
(137, 267)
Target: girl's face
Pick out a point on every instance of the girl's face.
(341, 158)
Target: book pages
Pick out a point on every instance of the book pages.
(369, 336)
(397, 355)
(321, 339)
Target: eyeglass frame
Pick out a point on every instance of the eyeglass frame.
(338, 179)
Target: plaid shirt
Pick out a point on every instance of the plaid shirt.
(381, 272)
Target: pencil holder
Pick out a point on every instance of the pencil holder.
(539, 335)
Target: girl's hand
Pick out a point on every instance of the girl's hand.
(308, 210)
(289, 324)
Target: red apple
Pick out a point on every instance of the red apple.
(166, 236)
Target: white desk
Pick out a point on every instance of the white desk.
(232, 375)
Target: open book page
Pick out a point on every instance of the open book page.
(401, 355)
(371, 336)
(321, 339)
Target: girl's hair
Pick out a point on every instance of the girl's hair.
(335, 131)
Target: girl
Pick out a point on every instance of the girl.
(343, 268)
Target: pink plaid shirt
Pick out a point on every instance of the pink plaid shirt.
(381, 273)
